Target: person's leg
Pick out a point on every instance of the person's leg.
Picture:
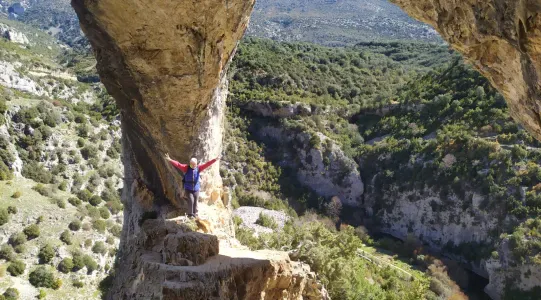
(191, 198)
(196, 198)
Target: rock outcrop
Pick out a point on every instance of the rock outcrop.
(501, 38)
(165, 63)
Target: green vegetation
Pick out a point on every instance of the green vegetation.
(7, 253)
(65, 237)
(42, 276)
(11, 294)
(75, 225)
(46, 254)
(99, 248)
(31, 231)
(266, 221)
(4, 216)
(66, 265)
(16, 268)
(17, 239)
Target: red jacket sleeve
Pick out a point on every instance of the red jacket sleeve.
(206, 165)
(182, 167)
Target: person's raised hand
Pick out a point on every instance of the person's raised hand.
(167, 156)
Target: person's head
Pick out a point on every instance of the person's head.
(193, 162)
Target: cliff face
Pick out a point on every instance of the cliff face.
(502, 38)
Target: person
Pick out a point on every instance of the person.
(191, 181)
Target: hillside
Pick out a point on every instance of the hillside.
(336, 22)
(60, 208)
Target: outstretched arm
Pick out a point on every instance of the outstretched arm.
(176, 164)
(208, 164)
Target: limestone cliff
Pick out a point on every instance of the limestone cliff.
(165, 62)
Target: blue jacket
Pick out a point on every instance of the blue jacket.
(191, 180)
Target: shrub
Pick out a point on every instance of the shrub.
(104, 212)
(99, 248)
(31, 231)
(84, 195)
(110, 240)
(92, 211)
(75, 225)
(16, 195)
(46, 254)
(65, 237)
(90, 264)
(40, 220)
(42, 276)
(89, 151)
(7, 253)
(99, 225)
(63, 186)
(78, 261)
(57, 283)
(66, 265)
(78, 283)
(35, 171)
(115, 206)
(60, 202)
(116, 230)
(16, 268)
(12, 210)
(95, 200)
(266, 221)
(74, 201)
(17, 239)
(42, 190)
(88, 243)
(11, 294)
(4, 216)
(42, 294)
(20, 248)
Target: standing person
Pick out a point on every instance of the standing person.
(191, 180)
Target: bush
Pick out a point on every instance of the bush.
(40, 220)
(42, 190)
(65, 237)
(12, 210)
(42, 294)
(74, 201)
(20, 248)
(11, 294)
(104, 212)
(31, 231)
(78, 261)
(95, 200)
(266, 221)
(78, 283)
(66, 265)
(4, 216)
(63, 186)
(46, 254)
(16, 268)
(99, 248)
(42, 276)
(84, 195)
(116, 230)
(88, 243)
(90, 264)
(99, 225)
(110, 240)
(35, 171)
(60, 202)
(89, 151)
(7, 253)
(17, 239)
(16, 195)
(75, 225)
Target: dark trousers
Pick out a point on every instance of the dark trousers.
(192, 202)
